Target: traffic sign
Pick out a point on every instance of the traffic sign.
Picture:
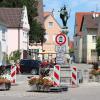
(60, 48)
(60, 39)
(60, 55)
(60, 58)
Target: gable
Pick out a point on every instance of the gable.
(50, 18)
(24, 19)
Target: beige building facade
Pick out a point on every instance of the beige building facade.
(52, 29)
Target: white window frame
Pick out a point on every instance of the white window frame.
(50, 24)
(3, 35)
(94, 39)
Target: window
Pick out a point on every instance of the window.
(50, 24)
(25, 34)
(24, 44)
(94, 39)
(3, 35)
(93, 52)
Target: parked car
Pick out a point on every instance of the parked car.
(29, 66)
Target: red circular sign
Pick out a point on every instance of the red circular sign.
(60, 39)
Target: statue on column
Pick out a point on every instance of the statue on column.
(64, 16)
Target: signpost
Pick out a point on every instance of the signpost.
(60, 39)
(60, 48)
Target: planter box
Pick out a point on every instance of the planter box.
(97, 78)
(39, 88)
(33, 88)
(50, 89)
(5, 86)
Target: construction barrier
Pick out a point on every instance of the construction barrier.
(13, 74)
(18, 69)
(74, 80)
(56, 75)
(65, 75)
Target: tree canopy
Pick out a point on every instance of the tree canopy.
(15, 55)
(37, 32)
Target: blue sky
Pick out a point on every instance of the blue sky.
(73, 6)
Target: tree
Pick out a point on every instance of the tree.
(98, 47)
(15, 56)
(37, 32)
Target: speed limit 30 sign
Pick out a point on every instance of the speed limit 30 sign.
(60, 39)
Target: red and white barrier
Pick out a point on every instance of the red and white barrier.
(74, 80)
(13, 74)
(56, 75)
(18, 69)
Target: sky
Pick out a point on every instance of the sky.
(73, 6)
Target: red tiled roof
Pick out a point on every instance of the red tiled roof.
(78, 20)
(91, 22)
(46, 14)
(11, 17)
(2, 22)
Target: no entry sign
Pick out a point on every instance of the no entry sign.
(60, 39)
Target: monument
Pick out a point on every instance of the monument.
(64, 15)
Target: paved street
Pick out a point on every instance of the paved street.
(85, 91)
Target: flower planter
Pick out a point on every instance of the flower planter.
(33, 87)
(39, 88)
(40, 84)
(5, 86)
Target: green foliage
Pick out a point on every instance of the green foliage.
(15, 55)
(98, 46)
(1, 70)
(37, 32)
(71, 51)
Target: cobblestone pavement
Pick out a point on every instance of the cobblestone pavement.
(85, 91)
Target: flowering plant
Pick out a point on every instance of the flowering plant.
(4, 80)
(40, 81)
(32, 81)
(47, 82)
